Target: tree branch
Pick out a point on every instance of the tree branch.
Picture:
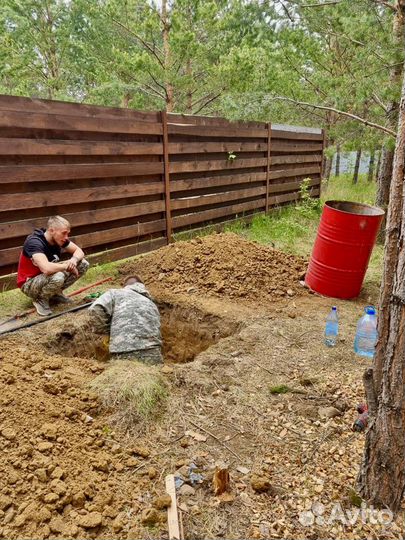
(321, 4)
(337, 111)
(142, 41)
(213, 98)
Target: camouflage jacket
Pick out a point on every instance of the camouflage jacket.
(132, 317)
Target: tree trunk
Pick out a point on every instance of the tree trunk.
(167, 58)
(371, 166)
(357, 167)
(382, 475)
(383, 186)
(337, 163)
(377, 169)
(328, 169)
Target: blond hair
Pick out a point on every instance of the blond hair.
(57, 222)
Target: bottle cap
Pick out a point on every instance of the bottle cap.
(370, 310)
(334, 308)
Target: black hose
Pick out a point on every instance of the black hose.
(44, 319)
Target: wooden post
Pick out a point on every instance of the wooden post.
(172, 515)
(323, 153)
(268, 165)
(166, 173)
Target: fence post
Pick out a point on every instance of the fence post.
(166, 172)
(268, 165)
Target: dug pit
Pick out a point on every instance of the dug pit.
(186, 332)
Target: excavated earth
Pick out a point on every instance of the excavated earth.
(250, 387)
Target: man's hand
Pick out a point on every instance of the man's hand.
(71, 266)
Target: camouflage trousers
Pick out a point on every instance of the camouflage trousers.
(150, 356)
(44, 287)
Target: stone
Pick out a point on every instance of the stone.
(9, 434)
(90, 521)
(9, 516)
(150, 517)
(56, 525)
(50, 431)
(186, 490)
(162, 502)
(5, 502)
(260, 484)
(328, 412)
(44, 446)
(132, 462)
(152, 473)
(51, 498)
(41, 474)
(58, 473)
(141, 451)
(79, 499)
(19, 520)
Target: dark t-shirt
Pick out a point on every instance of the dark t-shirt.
(36, 243)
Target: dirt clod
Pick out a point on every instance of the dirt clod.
(261, 484)
(90, 521)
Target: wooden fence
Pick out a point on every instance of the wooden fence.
(128, 180)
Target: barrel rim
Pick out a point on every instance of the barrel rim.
(374, 211)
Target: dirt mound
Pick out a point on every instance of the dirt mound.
(222, 265)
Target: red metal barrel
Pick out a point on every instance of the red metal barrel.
(346, 236)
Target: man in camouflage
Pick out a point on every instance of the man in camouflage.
(133, 321)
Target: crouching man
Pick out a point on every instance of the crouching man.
(133, 321)
(41, 275)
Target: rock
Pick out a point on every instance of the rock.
(91, 520)
(100, 465)
(56, 525)
(13, 477)
(261, 484)
(328, 412)
(79, 499)
(234, 354)
(150, 517)
(43, 514)
(163, 501)
(58, 473)
(19, 520)
(41, 475)
(186, 490)
(243, 470)
(141, 451)
(132, 462)
(152, 473)
(5, 502)
(44, 446)
(50, 431)
(51, 498)
(290, 292)
(166, 369)
(9, 516)
(9, 434)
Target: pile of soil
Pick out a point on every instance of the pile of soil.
(222, 265)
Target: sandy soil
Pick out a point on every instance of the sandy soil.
(68, 472)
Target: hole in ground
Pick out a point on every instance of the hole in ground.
(186, 332)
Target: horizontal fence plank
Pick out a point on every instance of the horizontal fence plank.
(16, 229)
(280, 160)
(29, 120)
(213, 131)
(277, 146)
(18, 201)
(177, 118)
(40, 173)
(47, 106)
(127, 251)
(215, 181)
(274, 175)
(50, 147)
(207, 215)
(217, 198)
(303, 136)
(215, 147)
(196, 166)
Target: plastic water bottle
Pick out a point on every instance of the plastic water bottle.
(331, 328)
(366, 333)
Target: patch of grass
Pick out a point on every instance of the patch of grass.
(279, 389)
(132, 391)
